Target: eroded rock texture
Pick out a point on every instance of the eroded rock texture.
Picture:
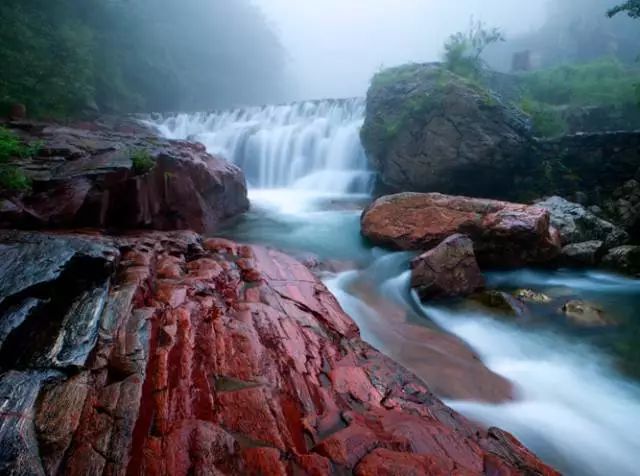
(105, 178)
(163, 354)
(448, 270)
(504, 234)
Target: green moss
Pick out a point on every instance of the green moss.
(142, 161)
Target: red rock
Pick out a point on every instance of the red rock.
(86, 178)
(504, 234)
(228, 377)
(448, 270)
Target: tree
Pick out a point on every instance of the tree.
(463, 50)
(630, 7)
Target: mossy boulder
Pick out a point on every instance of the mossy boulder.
(429, 130)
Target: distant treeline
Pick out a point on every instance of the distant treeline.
(575, 31)
(69, 57)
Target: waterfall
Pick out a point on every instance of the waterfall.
(311, 146)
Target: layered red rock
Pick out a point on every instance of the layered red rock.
(448, 270)
(504, 234)
(190, 356)
(89, 177)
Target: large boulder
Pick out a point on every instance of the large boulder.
(428, 130)
(504, 234)
(164, 353)
(448, 270)
(576, 224)
(110, 179)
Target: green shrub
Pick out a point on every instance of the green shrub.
(463, 50)
(604, 82)
(12, 179)
(547, 120)
(142, 161)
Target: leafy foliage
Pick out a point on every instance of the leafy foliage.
(463, 50)
(547, 120)
(630, 7)
(13, 179)
(142, 161)
(71, 56)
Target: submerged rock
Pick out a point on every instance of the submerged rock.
(503, 234)
(576, 224)
(109, 179)
(528, 295)
(178, 355)
(585, 314)
(429, 130)
(502, 302)
(448, 270)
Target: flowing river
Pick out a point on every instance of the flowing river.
(577, 402)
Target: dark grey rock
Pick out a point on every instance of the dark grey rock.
(624, 259)
(583, 254)
(428, 130)
(576, 224)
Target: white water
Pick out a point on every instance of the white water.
(306, 146)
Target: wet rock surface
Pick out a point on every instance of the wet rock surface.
(174, 355)
(448, 270)
(623, 259)
(103, 177)
(504, 234)
(576, 224)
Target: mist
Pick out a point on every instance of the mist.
(335, 46)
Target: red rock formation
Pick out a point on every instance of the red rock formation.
(206, 357)
(504, 234)
(448, 270)
(87, 178)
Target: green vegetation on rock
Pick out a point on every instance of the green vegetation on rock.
(12, 179)
(142, 161)
(463, 50)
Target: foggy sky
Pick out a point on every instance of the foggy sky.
(335, 46)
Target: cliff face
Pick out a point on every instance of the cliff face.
(168, 354)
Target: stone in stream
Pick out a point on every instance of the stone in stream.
(504, 234)
(501, 302)
(448, 270)
(585, 314)
(528, 295)
(185, 355)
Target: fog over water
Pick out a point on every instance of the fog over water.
(335, 46)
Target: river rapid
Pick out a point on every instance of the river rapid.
(577, 402)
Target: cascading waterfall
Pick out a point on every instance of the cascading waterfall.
(313, 145)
